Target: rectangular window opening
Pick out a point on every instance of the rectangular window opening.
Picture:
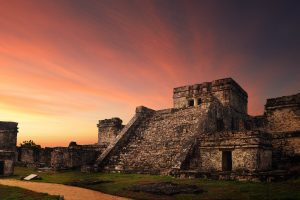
(191, 102)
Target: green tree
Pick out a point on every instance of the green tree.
(30, 143)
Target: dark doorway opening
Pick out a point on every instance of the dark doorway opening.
(226, 160)
(191, 102)
(199, 101)
(1, 167)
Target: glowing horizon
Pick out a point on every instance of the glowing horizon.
(65, 65)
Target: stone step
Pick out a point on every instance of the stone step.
(157, 142)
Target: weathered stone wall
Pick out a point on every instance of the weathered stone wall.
(210, 160)
(251, 151)
(8, 140)
(36, 156)
(265, 159)
(227, 91)
(108, 129)
(8, 136)
(28, 155)
(286, 149)
(74, 156)
(45, 156)
(7, 158)
(283, 114)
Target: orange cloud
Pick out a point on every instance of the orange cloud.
(74, 62)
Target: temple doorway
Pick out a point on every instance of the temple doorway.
(226, 160)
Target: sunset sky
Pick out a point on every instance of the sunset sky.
(65, 64)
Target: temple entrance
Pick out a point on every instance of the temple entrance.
(226, 160)
(1, 167)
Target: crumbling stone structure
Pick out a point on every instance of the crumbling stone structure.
(34, 157)
(74, 156)
(8, 140)
(282, 121)
(207, 131)
(59, 158)
(108, 129)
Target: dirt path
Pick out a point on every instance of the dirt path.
(69, 192)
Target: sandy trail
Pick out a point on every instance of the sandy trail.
(69, 192)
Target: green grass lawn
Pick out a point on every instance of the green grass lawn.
(15, 193)
(117, 184)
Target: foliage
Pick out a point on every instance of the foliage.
(30, 144)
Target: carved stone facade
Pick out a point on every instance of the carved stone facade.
(8, 140)
(208, 130)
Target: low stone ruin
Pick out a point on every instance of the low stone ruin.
(59, 158)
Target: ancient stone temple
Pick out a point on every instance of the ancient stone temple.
(207, 131)
(8, 140)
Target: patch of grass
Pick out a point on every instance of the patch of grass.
(117, 184)
(15, 193)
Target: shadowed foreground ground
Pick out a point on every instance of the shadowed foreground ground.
(69, 192)
(120, 184)
(17, 193)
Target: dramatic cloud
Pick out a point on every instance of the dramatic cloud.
(66, 64)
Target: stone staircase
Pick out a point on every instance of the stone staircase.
(160, 143)
(142, 113)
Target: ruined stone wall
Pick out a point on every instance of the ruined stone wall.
(283, 114)
(74, 156)
(286, 149)
(243, 159)
(7, 157)
(108, 129)
(28, 155)
(8, 140)
(283, 123)
(8, 136)
(265, 161)
(251, 151)
(229, 93)
(32, 155)
(45, 156)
